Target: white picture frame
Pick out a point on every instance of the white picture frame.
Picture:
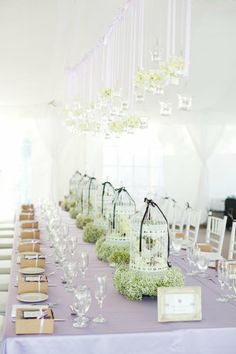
(179, 304)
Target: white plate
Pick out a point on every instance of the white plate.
(32, 270)
(32, 297)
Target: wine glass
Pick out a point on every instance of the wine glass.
(82, 302)
(221, 279)
(177, 244)
(202, 263)
(70, 272)
(100, 294)
(83, 261)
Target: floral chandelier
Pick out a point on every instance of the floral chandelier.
(107, 88)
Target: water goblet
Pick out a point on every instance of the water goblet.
(100, 294)
(202, 263)
(221, 279)
(82, 302)
(177, 244)
(83, 261)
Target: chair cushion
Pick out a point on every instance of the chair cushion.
(5, 253)
(5, 266)
(3, 301)
(1, 326)
(4, 281)
(6, 242)
(6, 233)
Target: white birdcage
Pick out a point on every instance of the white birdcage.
(123, 207)
(89, 196)
(80, 192)
(149, 242)
(73, 184)
(105, 197)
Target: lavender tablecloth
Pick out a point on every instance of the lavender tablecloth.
(131, 327)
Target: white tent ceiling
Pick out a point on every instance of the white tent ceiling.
(38, 39)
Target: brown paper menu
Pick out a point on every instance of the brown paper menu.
(33, 284)
(34, 321)
(29, 247)
(205, 247)
(29, 261)
(30, 225)
(30, 234)
(26, 216)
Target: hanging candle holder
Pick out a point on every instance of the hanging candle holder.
(73, 184)
(156, 53)
(149, 243)
(123, 207)
(184, 102)
(89, 197)
(166, 109)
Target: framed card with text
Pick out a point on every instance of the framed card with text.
(179, 304)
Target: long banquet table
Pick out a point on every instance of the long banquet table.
(131, 326)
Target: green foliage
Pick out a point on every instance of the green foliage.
(73, 212)
(81, 221)
(134, 285)
(104, 249)
(92, 233)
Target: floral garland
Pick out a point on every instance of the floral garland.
(92, 233)
(82, 221)
(105, 250)
(135, 285)
(73, 212)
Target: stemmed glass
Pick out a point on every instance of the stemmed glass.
(82, 302)
(83, 261)
(177, 243)
(202, 263)
(70, 272)
(192, 256)
(100, 294)
(221, 278)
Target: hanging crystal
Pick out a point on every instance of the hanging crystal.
(166, 109)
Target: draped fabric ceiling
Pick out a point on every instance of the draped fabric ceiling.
(39, 39)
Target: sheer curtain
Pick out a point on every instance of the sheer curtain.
(205, 139)
(50, 131)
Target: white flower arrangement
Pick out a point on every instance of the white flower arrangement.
(74, 211)
(92, 233)
(135, 285)
(104, 249)
(82, 221)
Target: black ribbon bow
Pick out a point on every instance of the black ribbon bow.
(146, 215)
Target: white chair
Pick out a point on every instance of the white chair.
(4, 282)
(6, 242)
(5, 253)
(7, 226)
(1, 327)
(3, 301)
(192, 225)
(6, 233)
(215, 233)
(232, 242)
(179, 219)
(5, 267)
